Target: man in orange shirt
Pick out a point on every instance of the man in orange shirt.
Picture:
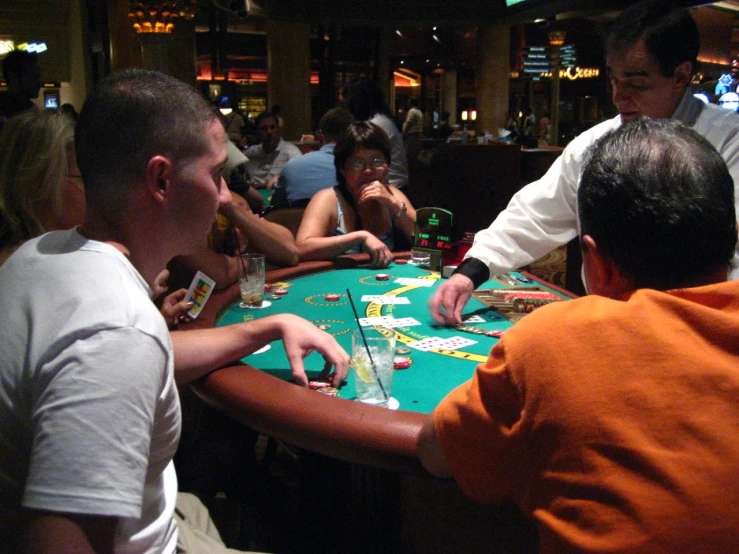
(613, 420)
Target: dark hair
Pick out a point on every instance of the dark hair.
(334, 122)
(659, 200)
(670, 34)
(364, 98)
(15, 60)
(265, 115)
(358, 135)
(128, 118)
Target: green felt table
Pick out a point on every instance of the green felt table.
(266, 196)
(431, 375)
(257, 392)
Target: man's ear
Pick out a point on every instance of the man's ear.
(683, 74)
(603, 276)
(159, 172)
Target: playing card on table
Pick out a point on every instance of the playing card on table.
(428, 344)
(473, 319)
(455, 343)
(405, 322)
(385, 299)
(387, 321)
(414, 282)
(452, 343)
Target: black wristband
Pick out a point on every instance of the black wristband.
(476, 270)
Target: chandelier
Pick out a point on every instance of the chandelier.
(159, 17)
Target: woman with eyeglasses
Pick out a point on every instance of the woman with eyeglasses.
(362, 213)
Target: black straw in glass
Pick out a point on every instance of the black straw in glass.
(364, 339)
(238, 249)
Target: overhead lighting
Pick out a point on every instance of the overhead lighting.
(397, 32)
(159, 17)
(436, 39)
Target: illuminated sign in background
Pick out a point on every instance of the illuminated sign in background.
(7, 46)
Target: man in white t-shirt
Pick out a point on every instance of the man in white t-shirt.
(89, 412)
(651, 57)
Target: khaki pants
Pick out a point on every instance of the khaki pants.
(197, 533)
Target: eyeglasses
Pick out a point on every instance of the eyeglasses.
(358, 164)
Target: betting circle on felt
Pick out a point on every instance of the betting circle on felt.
(432, 374)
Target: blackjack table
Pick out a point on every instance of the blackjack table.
(258, 391)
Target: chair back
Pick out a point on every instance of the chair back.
(287, 217)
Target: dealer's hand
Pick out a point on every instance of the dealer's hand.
(450, 298)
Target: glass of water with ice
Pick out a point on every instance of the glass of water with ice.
(373, 377)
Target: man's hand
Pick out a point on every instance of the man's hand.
(449, 300)
(300, 338)
(160, 284)
(174, 308)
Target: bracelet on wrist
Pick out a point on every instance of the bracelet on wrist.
(401, 211)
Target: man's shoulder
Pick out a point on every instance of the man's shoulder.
(289, 148)
(309, 159)
(713, 117)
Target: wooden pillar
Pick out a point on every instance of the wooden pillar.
(449, 94)
(288, 67)
(491, 83)
(383, 73)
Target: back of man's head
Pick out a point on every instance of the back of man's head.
(670, 33)
(130, 117)
(16, 62)
(334, 122)
(659, 202)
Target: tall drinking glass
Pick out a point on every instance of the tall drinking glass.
(251, 280)
(373, 385)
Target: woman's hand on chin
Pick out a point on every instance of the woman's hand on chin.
(376, 192)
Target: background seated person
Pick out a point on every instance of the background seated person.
(236, 178)
(362, 212)
(267, 158)
(41, 189)
(612, 419)
(237, 229)
(40, 185)
(305, 175)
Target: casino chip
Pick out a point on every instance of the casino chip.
(274, 297)
(402, 350)
(332, 297)
(268, 287)
(331, 391)
(402, 362)
(382, 277)
(315, 385)
(281, 292)
(324, 326)
(401, 261)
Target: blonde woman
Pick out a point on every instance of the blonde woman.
(41, 189)
(40, 185)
